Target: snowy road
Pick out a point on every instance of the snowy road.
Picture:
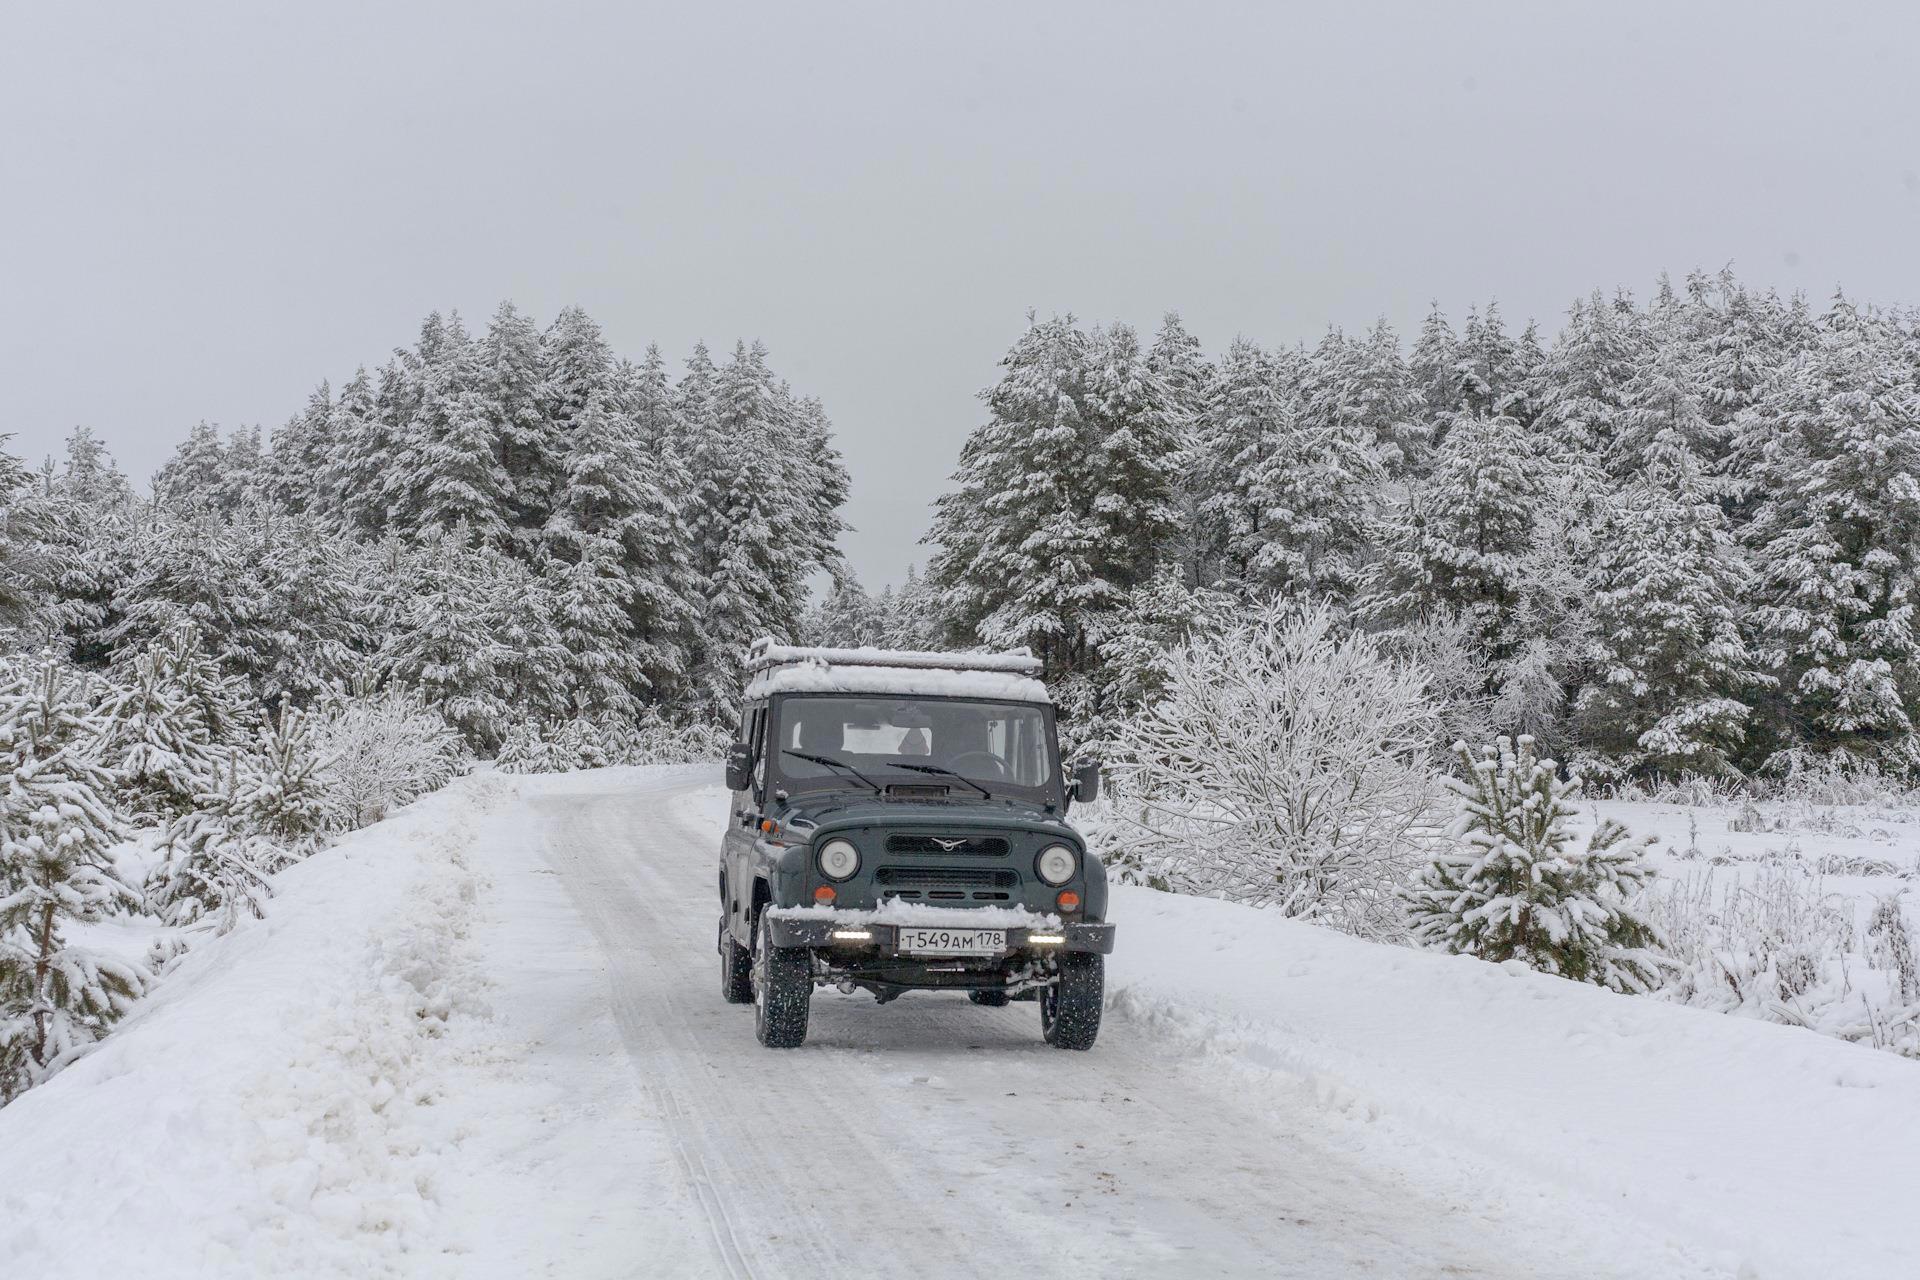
(933, 1138)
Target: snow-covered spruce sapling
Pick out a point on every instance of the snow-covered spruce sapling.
(57, 827)
(213, 868)
(155, 742)
(1513, 886)
(283, 793)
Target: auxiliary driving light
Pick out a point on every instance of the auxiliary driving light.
(1046, 939)
(1057, 864)
(852, 935)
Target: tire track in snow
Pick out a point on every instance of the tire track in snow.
(938, 1139)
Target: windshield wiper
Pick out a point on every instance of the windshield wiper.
(831, 763)
(944, 772)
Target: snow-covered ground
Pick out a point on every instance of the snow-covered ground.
(485, 1038)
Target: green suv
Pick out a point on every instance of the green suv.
(899, 823)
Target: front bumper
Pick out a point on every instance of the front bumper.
(815, 931)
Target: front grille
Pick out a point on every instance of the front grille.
(937, 846)
(945, 878)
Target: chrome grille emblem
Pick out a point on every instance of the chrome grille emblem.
(948, 845)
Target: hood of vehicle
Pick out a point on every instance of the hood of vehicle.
(847, 809)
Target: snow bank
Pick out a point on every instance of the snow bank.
(1786, 1153)
(268, 1110)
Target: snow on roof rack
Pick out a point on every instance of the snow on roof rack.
(765, 654)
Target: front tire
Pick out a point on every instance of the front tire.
(1070, 1009)
(736, 968)
(782, 990)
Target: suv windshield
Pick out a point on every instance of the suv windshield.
(1002, 748)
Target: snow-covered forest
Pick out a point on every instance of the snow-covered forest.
(513, 544)
(1680, 537)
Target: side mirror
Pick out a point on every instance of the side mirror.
(1086, 781)
(739, 766)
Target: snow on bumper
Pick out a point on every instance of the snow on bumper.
(880, 930)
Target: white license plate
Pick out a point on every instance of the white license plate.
(953, 942)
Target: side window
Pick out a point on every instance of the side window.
(758, 735)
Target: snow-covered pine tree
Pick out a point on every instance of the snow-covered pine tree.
(846, 617)
(656, 543)
(511, 379)
(29, 523)
(1463, 540)
(222, 704)
(269, 592)
(1733, 353)
(1832, 452)
(1662, 419)
(197, 471)
(57, 827)
(1493, 373)
(1252, 405)
(1184, 375)
(1514, 887)
(89, 476)
(154, 742)
(284, 794)
(1315, 479)
(297, 463)
(1064, 498)
(447, 471)
(912, 615)
(362, 444)
(589, 601)
(213, 869)
(1584, 378)
(1361, 389)
(1161, 616)
(246, 475)
(443, 643)
(1434, 371)
(1671, 664)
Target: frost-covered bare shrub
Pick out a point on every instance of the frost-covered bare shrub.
(1827, 781)
(1697, 790)
(383, 748)
(1771, 943)
(1283, 765)
(1456, 664)
(604, 741)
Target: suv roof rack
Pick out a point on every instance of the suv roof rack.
(765, 654)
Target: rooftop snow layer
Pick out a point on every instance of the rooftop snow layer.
(765, 653)
(997, 677)
(813, 676)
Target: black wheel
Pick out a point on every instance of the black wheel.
(736, 968)
(1070, 1009)
(782, 990)
(990, 999)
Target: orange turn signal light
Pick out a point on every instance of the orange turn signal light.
(824, 893)
(766, 824)
(1068, 900)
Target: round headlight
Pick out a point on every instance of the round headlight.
(1057, 864)
(838, 859)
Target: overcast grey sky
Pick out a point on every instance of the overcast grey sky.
(206, 208)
